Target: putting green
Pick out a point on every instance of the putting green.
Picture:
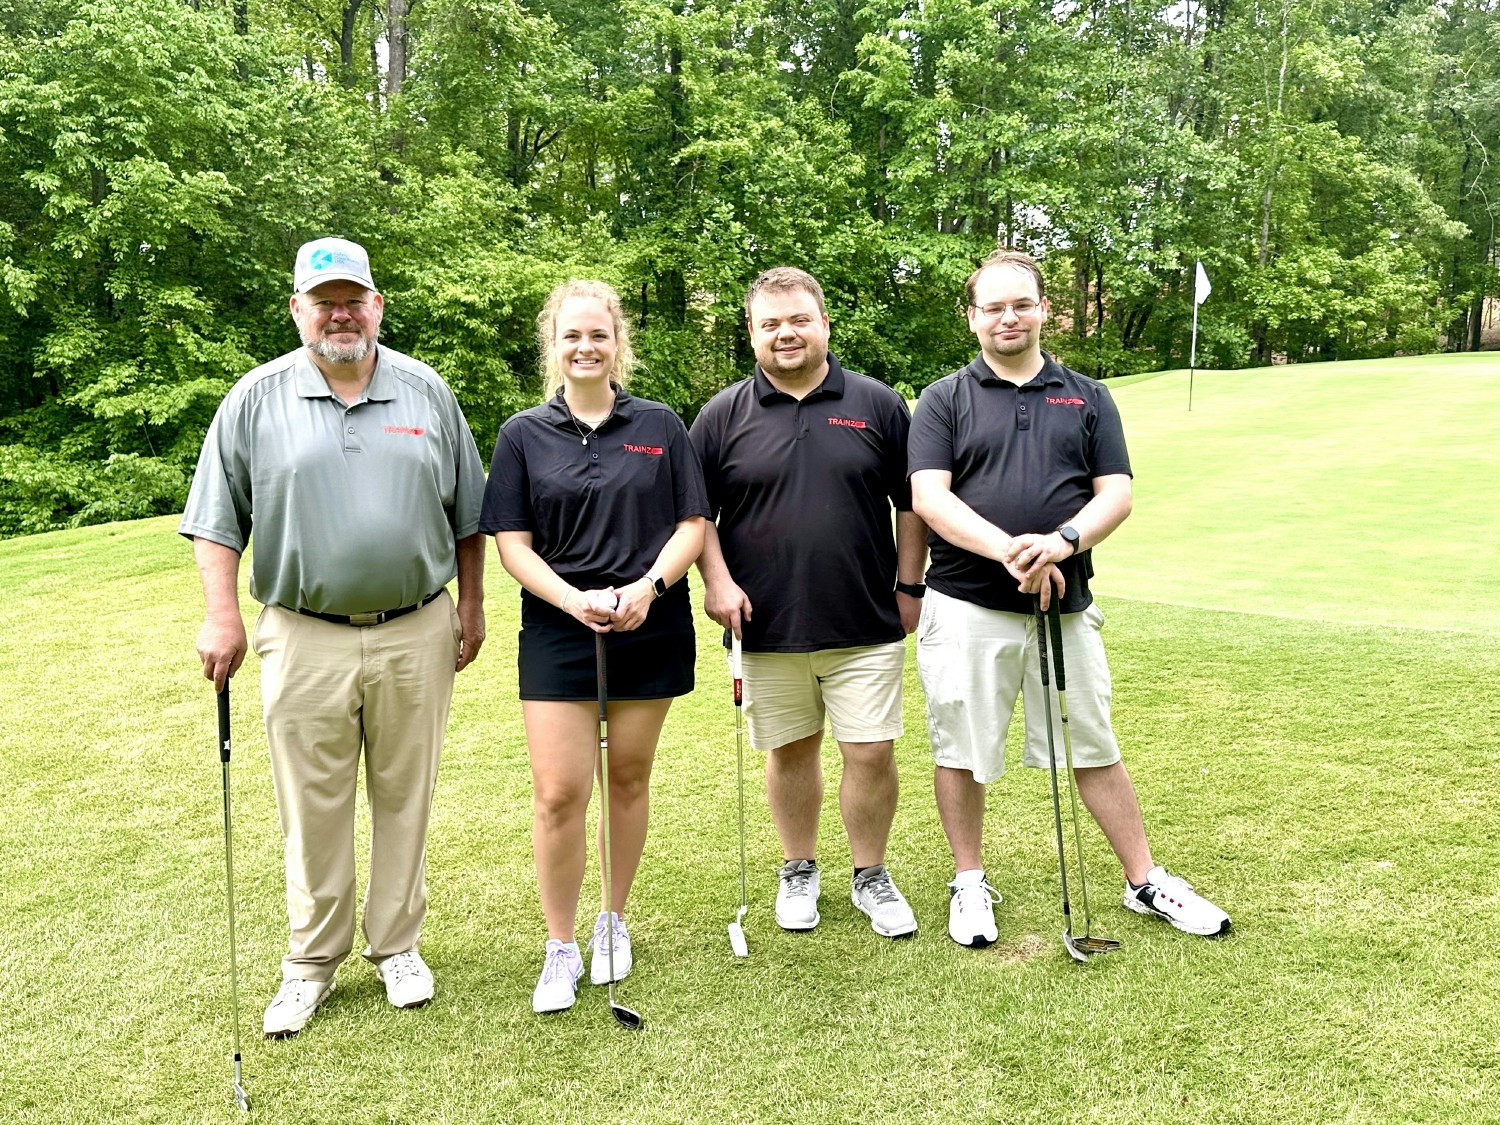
(1357, 492)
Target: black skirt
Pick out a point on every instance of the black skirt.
(655, 661)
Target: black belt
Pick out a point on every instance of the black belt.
(362, 620)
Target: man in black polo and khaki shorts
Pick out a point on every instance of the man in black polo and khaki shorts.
(357, 471)
(803, 463)
(1019, 467)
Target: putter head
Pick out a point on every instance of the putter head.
(1082, 948)
(737, 939)
(629, 1020)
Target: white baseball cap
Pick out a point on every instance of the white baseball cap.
(331, 259)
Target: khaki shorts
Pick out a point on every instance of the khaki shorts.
(788, 693)
(973, 662)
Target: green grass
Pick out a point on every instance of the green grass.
(1339, 491)
(1331, 783)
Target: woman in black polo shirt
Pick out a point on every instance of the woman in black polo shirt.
(597, 504)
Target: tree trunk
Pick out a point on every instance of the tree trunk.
(346, 41)
(398, 41)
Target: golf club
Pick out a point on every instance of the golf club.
(241, 1098)
(1087, 942)
(1076, 950)
(737, 928)
(626, 1018)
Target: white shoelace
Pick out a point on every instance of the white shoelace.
(975, 896)
(556, 966)
(401, 966)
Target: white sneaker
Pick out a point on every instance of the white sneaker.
(797, 897)
(876, 895)
(971, 913)
(293, 1006)
(558, 985)
(599, 966)
(1168, 897)
(408, 980)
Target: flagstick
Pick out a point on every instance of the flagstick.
(1193, 357)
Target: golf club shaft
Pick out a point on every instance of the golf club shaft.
(609, 892)
(1062, 861)
(1054, 622)
(234, 975)
(736, 671)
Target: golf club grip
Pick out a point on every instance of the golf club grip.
(224, 723)
(1054, 623)
(736, 668)
(1041, 639)
(599, 668)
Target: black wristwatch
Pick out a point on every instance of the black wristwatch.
(658, 585)
(1070, 537)
(911, 589)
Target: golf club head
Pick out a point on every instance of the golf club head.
(1082, 948)
(629, 1020)
(737, 939)
(241, 1098)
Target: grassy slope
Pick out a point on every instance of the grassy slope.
(1350, 491)
(1331, 784)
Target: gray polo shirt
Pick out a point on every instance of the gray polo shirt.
(356, 508)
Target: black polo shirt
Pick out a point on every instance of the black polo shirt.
(802, 491)
(1025, 459)
(599, 508)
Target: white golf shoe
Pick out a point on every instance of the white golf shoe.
(971, 911)
(294, 1005)
(557, 987)
(875, 894)
(599, 966)
(797, 896)
(1172, 899)
(408, 980)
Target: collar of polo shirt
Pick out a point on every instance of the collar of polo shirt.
(311, 384)
(831, 386)
(1049, 376)
(623, 410)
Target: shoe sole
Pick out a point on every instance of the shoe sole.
(413, 1005)
(979, 941)
(604, 977)
(905, 931)
(1141, 908)
(799, 927)
(288, 1032)
(554, 1011)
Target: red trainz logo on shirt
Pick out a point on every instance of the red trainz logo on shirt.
(415, 431)
(855, 422)
(654, 450)
(1067, 401)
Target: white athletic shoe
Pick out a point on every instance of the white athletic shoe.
(408, 980)
(599, 966)
(971, 913)
(293, 1006)
(876, 895)
(1168, 897)
(797, 897)
(557, 987)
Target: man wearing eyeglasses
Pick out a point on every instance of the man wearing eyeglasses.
(1018, 465)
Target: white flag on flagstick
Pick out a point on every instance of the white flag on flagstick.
(1201, 288)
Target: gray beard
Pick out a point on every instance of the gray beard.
(341, 353)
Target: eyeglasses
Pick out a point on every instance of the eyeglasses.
(997, 310)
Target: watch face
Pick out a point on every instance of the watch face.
(660, 586)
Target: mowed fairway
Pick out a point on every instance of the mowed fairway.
(1356, 491)
(1329, 778)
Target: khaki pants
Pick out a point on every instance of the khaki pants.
(330, 690)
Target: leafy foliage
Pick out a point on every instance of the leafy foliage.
(1329, 163)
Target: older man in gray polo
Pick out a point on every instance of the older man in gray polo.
(358, 474)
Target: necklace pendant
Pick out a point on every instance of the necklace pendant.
(584, 443)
